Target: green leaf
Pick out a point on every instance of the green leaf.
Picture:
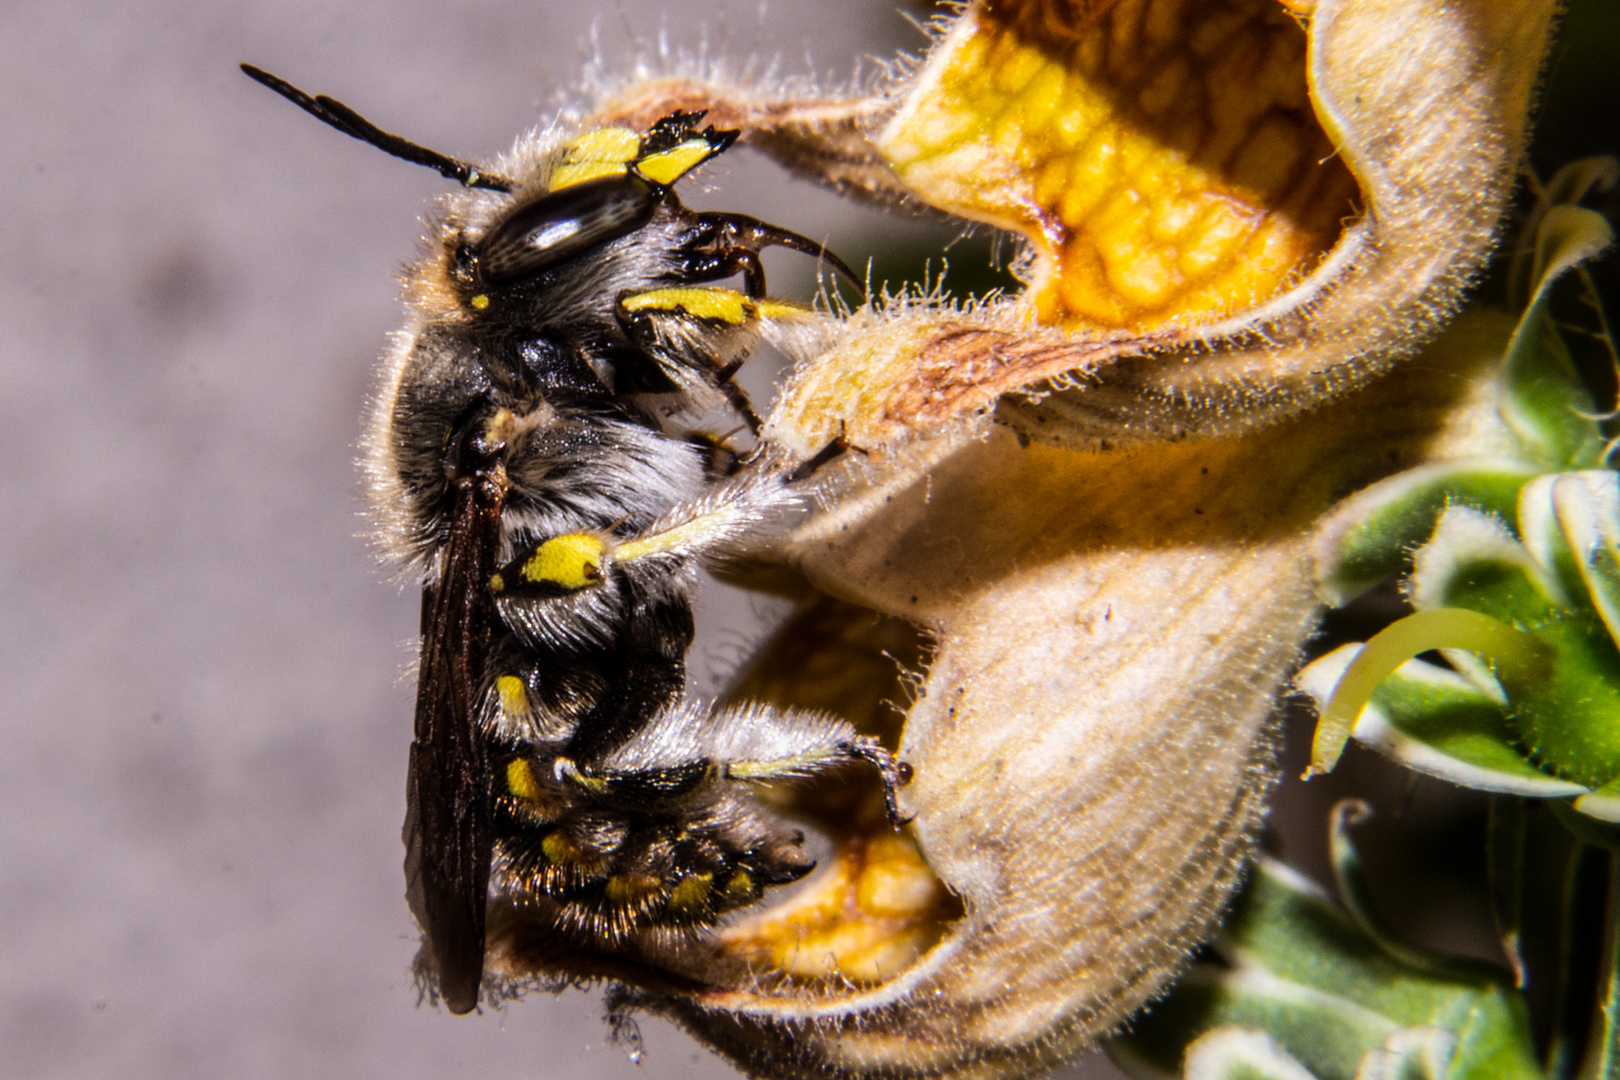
(1520, 657)
(1602, 804)
(1234, 1053)
(1587, 508)
(1410, 1054)
(1570, 184)
(1384, 523)
(1297, 968)
(1543, 534)
(1587, 828)
(1223, 1053)
(1544, 401)
(1557, 937)
(1436, 722)
(1568, 715)
(1575, 180)
(1495, 1042)
(1325, 1032)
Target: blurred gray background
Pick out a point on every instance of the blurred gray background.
(205, 726)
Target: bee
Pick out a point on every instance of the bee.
(529, 457)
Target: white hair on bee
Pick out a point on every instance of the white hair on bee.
(754, 737)
(530, 457)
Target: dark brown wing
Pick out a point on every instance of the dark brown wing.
(447, 819)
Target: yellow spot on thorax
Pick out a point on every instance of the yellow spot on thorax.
(569, 175)
(572, 561)
(480, 302)
(668, 166)
(520, 780)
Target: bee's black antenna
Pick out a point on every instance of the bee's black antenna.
(334, 112)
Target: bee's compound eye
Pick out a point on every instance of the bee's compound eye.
(562, 224)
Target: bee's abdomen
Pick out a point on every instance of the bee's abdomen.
(608, 873)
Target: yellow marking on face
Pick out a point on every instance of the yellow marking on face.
(496, 583)
(569, 175)
(556, 848)
(691, 893)
(740, 887)
(573, 561)
(514, 695)
(520, 780)
(618, 144)
(603, 152)
(668, 166)
(480, 302)
(723, 305)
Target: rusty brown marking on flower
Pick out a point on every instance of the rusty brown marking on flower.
(1163, 159)
(824, 140)
(968, 367)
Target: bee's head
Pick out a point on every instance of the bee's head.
(607, 183)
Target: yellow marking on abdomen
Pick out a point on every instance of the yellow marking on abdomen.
(691, 894)
(514, 695)
(628, 888)
(557, 848)
(520, 781)
(740, 887)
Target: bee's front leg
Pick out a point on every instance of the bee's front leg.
(574, 562)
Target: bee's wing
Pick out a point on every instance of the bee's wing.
(447, 823)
